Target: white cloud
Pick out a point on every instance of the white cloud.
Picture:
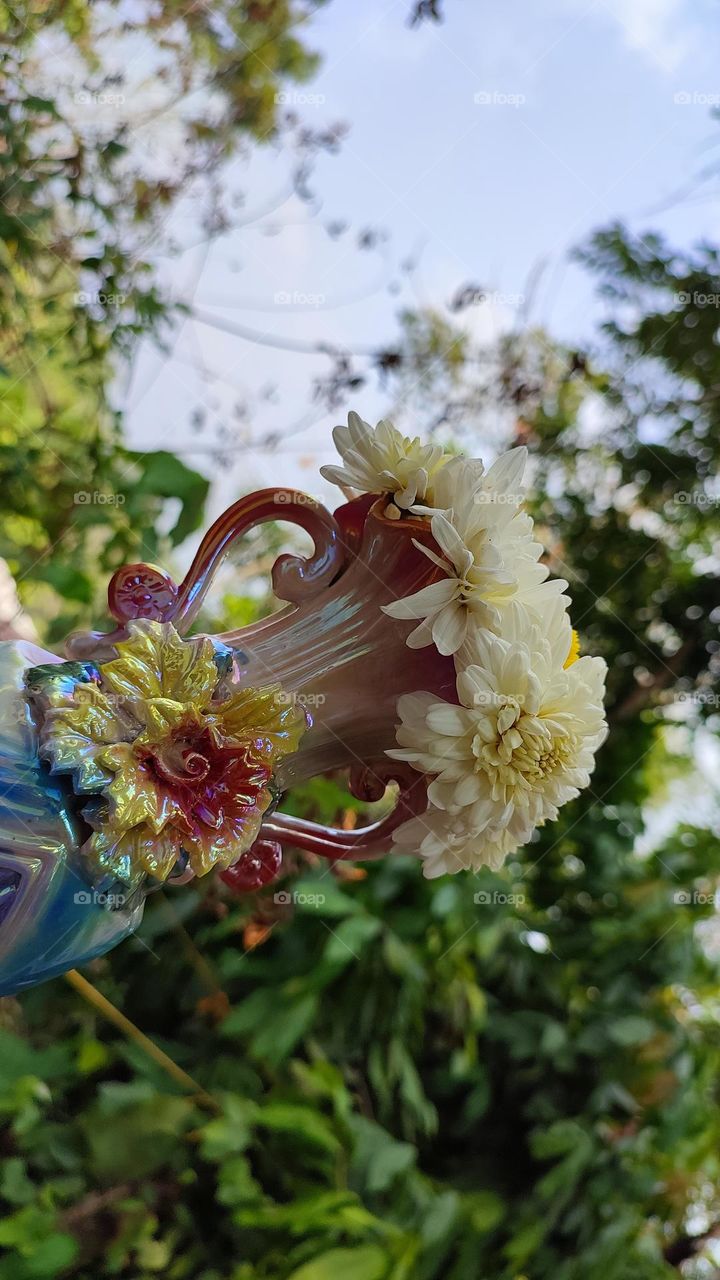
(658, 29)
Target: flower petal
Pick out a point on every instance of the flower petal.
(450, 628)
(424, 602)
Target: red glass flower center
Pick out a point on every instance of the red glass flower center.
(209, 779)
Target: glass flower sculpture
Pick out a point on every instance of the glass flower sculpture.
(423, 644)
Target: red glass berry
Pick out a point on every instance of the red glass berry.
(256, 868)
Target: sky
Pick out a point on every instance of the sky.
(485, 148)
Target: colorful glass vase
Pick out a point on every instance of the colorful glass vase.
(145, 757)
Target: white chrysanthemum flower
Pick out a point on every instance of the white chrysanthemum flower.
(490, 556)
(517, 621)
(464, 488)
(523, 739)
(382, 460)
(447, 843)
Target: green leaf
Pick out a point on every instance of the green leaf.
(336, 1211)
(230, 1133)
(323, 896)
(275, 1020)
(167, 477)
(348, 940)
(279, 1036)
(44, 106)
(19, 1059)
(632, 1030)
(524, 1243)
(485, 1210)
(67, 580)
(92, 1056)
(365, 1263)
(15, 1186)
(236, 1185)
(44, 1251)
(131, 1132)
(51, 1257)
(308, 1128)
(378, 1158)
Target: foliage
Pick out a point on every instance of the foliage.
(83, 207)
(467, 1079)
(495, 1076)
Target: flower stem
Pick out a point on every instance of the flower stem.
(138, 1037)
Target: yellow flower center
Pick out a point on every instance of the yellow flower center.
(519, 758)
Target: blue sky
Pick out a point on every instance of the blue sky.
(486, 147)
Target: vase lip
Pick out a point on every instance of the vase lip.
(357, 511)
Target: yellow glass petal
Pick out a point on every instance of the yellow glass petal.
(162, 715)
(67, 750)
(132, 855)
(118, 755)
(134, 798)
(105, 857)
(155, 662)
(267, 717)
(93, 716)
(73, 742)
(156, 854)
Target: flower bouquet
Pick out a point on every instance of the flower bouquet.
(518, 738)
